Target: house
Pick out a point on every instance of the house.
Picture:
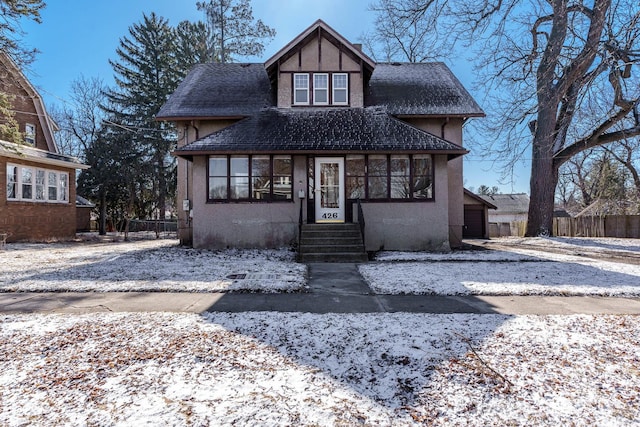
(476, 216)
(268, 149)
(510, 216)
(37, 185)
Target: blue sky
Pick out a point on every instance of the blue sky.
(78, 37)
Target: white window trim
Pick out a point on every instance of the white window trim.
(346, 88)
(295, 89)
(325, 89)
(30, 134)
(34, 171)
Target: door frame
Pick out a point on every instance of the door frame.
(324, 214)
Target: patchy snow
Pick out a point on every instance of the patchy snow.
(276, 369)
(520, 267)
(146, 265)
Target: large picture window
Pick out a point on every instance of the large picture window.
(38, 185)
(250, 178)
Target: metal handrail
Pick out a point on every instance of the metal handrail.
(300, 225)
(361, 221)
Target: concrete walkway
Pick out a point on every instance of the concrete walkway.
(333, 288)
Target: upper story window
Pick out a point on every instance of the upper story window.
(321, 89)
(340, 89)
(37, 185)
(30, 133)
(301, 89)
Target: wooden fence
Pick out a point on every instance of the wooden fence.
(625, 226)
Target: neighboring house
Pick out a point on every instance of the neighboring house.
(84, 210)
(476, 216)
(37, 184)
(509, 207)
(310, 132)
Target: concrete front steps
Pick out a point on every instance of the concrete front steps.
(331, 243)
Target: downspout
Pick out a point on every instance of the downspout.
(444, 125)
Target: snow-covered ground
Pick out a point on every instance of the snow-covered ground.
(522, 266)
(518, 266)
(323, 370)
(145, 265)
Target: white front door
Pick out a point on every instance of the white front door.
(329, 189)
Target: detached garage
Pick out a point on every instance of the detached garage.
(476, 216)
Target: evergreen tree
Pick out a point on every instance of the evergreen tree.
(193, 44)
(234, 31)
(9, 129)
(146, 73)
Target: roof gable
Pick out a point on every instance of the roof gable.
(46, 123)
(318, 29)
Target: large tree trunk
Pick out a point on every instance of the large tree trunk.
(544, 172)
(544, 179)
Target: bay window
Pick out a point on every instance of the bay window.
(25, 183)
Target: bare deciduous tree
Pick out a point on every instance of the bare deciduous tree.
(541, 62)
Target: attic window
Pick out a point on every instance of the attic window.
(321, 89)
(30, 133)
(301, 89)
(340, 89)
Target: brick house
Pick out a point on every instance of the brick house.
(37, 186)
(269, 150)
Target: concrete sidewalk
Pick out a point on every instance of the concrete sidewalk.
(333, 288)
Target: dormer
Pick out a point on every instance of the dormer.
(319, 68)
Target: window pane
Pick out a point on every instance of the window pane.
(261, 183)
(282, 178)
(340, 81)
(27, 183)
(239, 184)
(40, 174)
(355, 187)
(301, 81)
(340, 96)
(12, 182)
(52, 184)
(218, 166)
(422, 177)
(355, 169)
(400, 177)
(64, 187)
(218, 188)
(377, 177)
(355, 165)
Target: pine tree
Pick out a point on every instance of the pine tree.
(9, 129)
(146, 73)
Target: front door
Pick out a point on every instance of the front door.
(329, 189)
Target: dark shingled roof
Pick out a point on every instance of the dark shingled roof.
(419, 89)
(320, 129)
(220, 90)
